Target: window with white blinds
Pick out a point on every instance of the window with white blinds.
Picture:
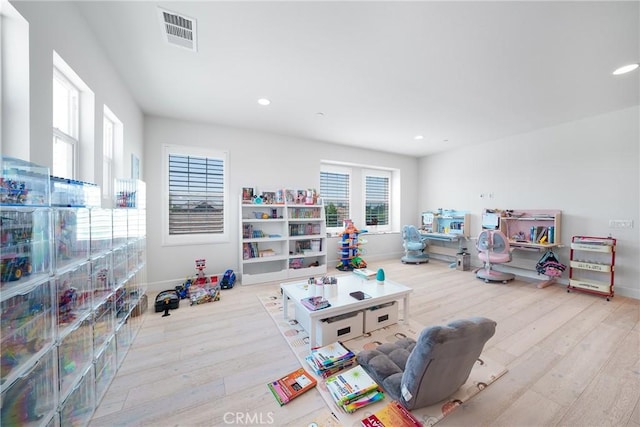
(377, 200)
(334, 189)
(197, 194)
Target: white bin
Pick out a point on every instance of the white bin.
(380, 316)
(339, 328)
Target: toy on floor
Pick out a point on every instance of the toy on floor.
(201, 289)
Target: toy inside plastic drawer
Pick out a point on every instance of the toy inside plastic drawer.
(25, 246)
(339, 328)
(101, 230)
(71, 236)
(74, 296)
(31, 398)
(103, 324)
(105, 368)
(101, 280)
(26, 327)
(119, 227)
(123, 340)
(380, 316)
(120, 267)
(75, 353)
(77, 408)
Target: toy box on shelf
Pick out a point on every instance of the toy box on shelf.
(130, 193)
(23, 183)
(72, 193)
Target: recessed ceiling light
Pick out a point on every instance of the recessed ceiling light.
(264, 101)
(418, 137)
(625, 69)
(320, 114)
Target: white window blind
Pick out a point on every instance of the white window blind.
(334, 189)
(376, 200)
(196, 195)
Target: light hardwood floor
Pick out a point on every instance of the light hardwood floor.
(573, 358)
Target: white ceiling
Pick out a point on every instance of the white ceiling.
(458, 73)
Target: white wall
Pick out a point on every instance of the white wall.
(255, 160)
(59, 26)
(588, 169)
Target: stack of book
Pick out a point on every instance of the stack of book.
(315, 303)
(367, 273)
(292, 385)
(330, 359)
(392, 415)
(353, 389)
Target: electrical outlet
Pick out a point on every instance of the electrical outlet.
(620, 223)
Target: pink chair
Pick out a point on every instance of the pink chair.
(493, 248)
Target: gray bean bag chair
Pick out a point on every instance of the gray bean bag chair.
(425, 372)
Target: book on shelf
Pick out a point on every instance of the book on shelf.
(292, 385)
(367, 273)
(330, 359)
(315, 303)
(353, 389)
(394, 414)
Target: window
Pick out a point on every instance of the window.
(373, 208)
(66, 117)
(108, 134)
(376, 203)
(197, 196)
(334, 189)
(112, 142)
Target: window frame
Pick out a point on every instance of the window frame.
(330, 168)
(377, 173)
(201, 238)
(72, 139)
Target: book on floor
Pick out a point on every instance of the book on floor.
(330, 359)
(353, 389)
(292, 385)
(394, 414)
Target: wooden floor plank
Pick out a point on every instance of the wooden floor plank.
(572, 357)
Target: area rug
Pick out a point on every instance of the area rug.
(483, 373)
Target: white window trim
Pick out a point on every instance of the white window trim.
(108, 193)
(197, 239)
(332, 168)
(383, 174)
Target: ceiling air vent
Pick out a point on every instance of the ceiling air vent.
(179, 30)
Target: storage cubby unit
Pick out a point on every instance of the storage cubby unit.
(27, 326)
(68, 277)
(281, 241)
(32, 398)
(592, 265)
(75, 354)
(531, 228)
(78, 407)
